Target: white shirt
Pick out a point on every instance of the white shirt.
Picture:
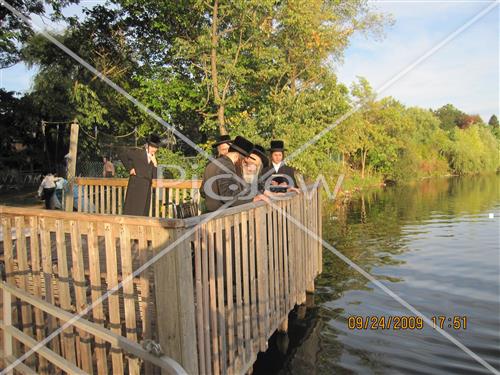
(48, 182)
(276, 167)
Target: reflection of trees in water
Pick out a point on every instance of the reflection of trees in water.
(369, 231)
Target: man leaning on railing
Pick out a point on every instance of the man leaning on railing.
(238, 177)
(221, 181)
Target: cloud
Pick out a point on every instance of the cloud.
(464, 72)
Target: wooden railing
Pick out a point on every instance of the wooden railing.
(70, 260)
(212, 302)
(107, 195)
(250, 266)
(11, 333)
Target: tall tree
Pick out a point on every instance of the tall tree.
(14, 31)
(493, 121)
(252, 49)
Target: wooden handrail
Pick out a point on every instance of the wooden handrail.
(115, 340)
(192, 221)
(20, 367)
(166, 183)
(80, 216)
(45, 352)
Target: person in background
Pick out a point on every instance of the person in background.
(222, 184)
(108, 168)
(142, 166)
(277, 166)
(222, 145)
(61, 184)
(47, 188)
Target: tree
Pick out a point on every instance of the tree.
(20, 125)
(493, 121)
(15, 32)
(252, 50)
(63, 89)
(450, 117)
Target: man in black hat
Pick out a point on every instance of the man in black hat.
(142, 166)
(277, 167)
(253, 166)
(222, 184)
(221, 146)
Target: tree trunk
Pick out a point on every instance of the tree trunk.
(221, 120)
(214, 72)
(293, 81)
(363, 162)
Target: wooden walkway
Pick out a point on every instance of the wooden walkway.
(212, 302)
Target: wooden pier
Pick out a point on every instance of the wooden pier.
(212, 302)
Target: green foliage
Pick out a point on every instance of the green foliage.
(20, 124)
(494, 127)
(14, 31)
(355, 182)
(176, 165)
(493, 121)
(258, 68)
(474, 150)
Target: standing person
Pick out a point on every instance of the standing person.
(61, 184)
(47, 188)
(277, 166)
(142, 166)
(108, 168)
(222, 145)
(221, 182)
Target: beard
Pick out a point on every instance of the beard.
(250, 173)
(249, 177)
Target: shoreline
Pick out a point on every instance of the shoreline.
(356, 190)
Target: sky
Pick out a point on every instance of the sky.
(463, 70)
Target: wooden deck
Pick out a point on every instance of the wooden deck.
(228, 282)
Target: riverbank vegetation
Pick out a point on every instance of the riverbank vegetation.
(260, 68)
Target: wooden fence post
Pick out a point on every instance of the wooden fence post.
(174, 293)
(8, 350)
(71, 173)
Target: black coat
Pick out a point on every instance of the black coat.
(283, 169)
(138, 197)
(229, 185)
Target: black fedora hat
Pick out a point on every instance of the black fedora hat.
(277, 146)
(241, 145)
(261, 153)
(221, 140)
(154, 140)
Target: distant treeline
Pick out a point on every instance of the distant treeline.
(259, 68)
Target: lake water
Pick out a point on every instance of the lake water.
(436, 245)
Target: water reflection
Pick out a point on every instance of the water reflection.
(434, 244)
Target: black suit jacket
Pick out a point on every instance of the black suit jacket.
(138, 197)
(227, 185)
(283, 169)
(137, 159)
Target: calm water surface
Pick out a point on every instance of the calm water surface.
(435, 245)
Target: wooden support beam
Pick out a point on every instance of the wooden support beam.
(71, 172)
(175, 299)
